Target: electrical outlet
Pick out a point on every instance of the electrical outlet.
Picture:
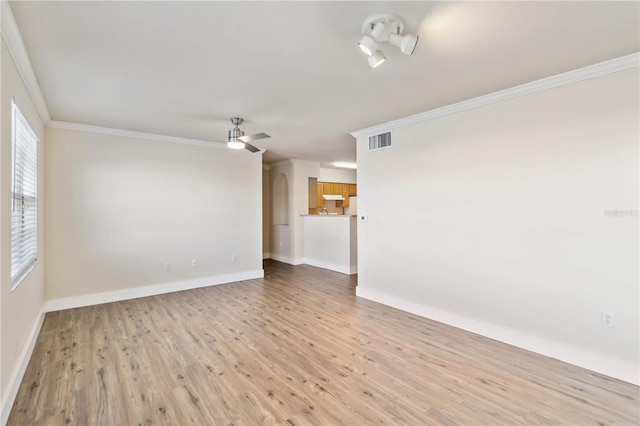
(234, 258)
(194, 262)
(168, 266)
(608, 319)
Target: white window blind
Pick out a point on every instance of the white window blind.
(24, 233)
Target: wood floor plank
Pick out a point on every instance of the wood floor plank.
(295, 348)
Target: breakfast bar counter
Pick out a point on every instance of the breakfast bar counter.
(330, 242)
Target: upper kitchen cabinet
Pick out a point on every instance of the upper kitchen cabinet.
(334, 188)
(313, 194)
(345, 195)
(318, 189)
(319, 193)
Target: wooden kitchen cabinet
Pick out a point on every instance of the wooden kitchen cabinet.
(345, 195)
(313, 193)
(346, 190)
(319, 194)
(333, 188)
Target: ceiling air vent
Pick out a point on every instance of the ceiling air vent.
(383, 140)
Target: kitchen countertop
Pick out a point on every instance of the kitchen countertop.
(328, 215)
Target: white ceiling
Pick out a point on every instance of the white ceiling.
(292, 69)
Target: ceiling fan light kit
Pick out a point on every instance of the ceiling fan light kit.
(236, 145)
(385, 28)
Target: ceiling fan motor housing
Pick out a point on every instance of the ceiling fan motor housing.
(235, 133)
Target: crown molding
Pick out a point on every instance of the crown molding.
(15, 44)
(591, 71)
(132, 134)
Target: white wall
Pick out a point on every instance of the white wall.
(499, 219)
(20, 310)
(120, 208)
(281, 235)
(266, 211)
(337, 175)
(330, 242)
(287, 241)
(302, 171)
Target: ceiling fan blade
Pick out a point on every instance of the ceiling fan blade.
(250, 147)
(255, 137)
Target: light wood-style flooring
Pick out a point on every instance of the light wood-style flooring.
(294, 348)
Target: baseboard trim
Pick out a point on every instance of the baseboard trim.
(285, 259)
(266, 256)
(18, 373)
(603, 364)
(330, 266)
(151, 290)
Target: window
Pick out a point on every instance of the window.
(24, 233)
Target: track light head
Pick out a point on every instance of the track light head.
(376, 59)
(368, 45)
(406, 43)
(380, 31)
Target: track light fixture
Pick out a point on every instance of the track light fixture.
(385, 29)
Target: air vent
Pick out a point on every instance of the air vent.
(380, 141)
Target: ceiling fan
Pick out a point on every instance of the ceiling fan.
(237, 139)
